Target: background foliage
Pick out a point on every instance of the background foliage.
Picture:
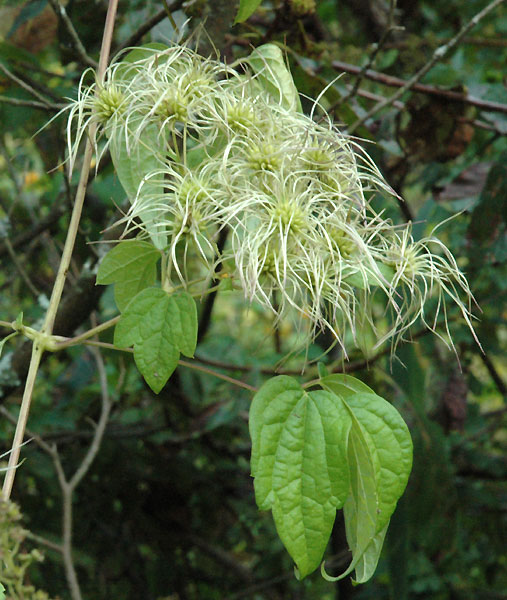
(167, 510)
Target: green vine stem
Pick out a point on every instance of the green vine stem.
(39, 347)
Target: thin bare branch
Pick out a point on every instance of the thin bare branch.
(19, 267)
(28, 88)
(390, 27)
(495, 376)
(391, 81)
(68, 486)
(101, 425)
(43, 541)
(47, 328)
(150, 24)
(438, 55)
(23, 238)
(77, 45)
(237, 382)
(32, 104)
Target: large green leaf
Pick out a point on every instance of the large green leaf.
(159, 326)
(246, 9)
(366, 565)
(272, 74)
(136, 165)
(132, 267)
(387, 432)
(299, 445)
(361, 507)
(380, 460)
(344, 385)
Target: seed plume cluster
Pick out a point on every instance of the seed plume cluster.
(201, 147)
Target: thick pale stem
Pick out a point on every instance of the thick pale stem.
(61, 276)
(37, 352)
(65, 343)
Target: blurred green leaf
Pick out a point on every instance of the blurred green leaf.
(29, 11)
(246, 9)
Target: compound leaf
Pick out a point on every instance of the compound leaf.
(299, 447)
(131, 266)
(159, 326)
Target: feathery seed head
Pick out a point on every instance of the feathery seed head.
(200, 147)
(264, 157)
(240, 117)
(342, 241)
(109, 101)
(289, 215)
(172, 106)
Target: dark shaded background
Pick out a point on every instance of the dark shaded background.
(168, 511)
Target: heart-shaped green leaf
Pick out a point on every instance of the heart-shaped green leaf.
(299, 444)
(380, 459)
(159, 326)
(344, 385)
(131, 266)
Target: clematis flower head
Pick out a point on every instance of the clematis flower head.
(202, 149)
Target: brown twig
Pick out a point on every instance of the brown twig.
(350, 367)
(150, 24)
(32, 104)
(438, 55)
(450, 95)
(390, 27)
(237, 382)
(473, 41)
(78, 47)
